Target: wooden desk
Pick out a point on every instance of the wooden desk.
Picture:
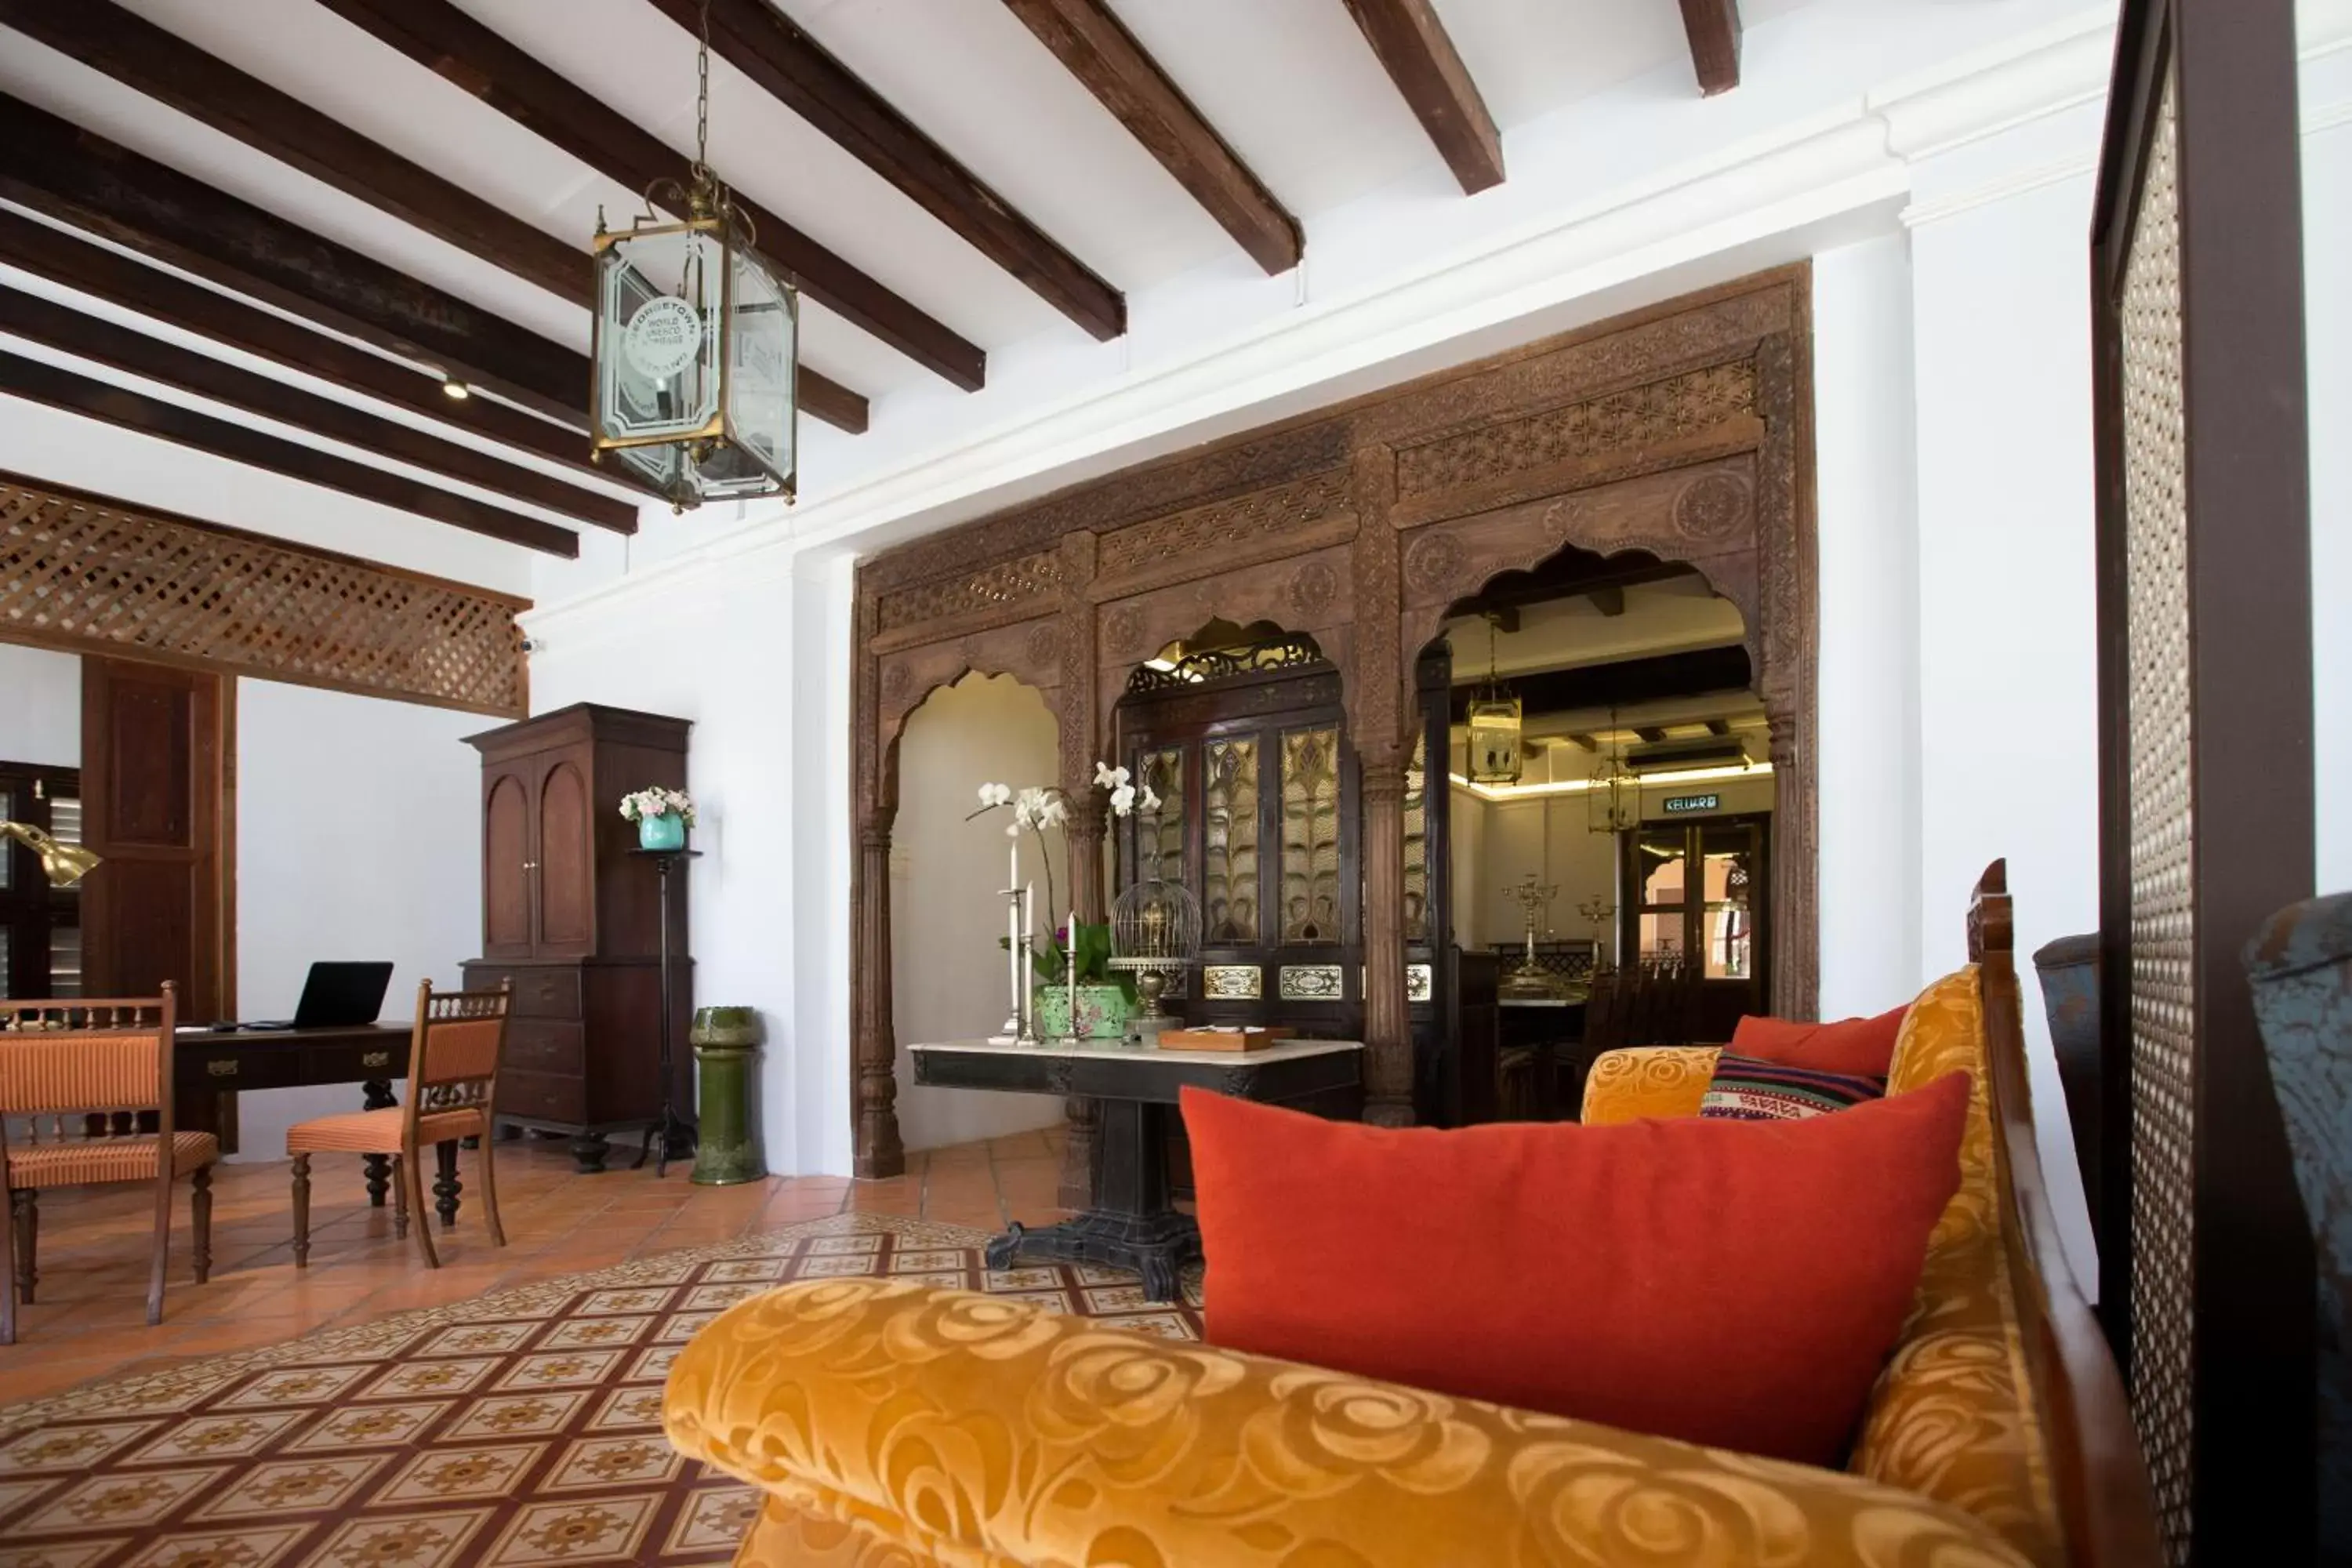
(1132, 1225)
(209, 1068)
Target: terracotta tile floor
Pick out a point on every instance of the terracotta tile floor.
(88, 1320)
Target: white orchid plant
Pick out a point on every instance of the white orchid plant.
(638, 804)
(1037, 808)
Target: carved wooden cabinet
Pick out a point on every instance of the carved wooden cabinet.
(1260, 814)
(572, 920)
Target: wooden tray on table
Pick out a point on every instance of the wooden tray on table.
(1252, 1038)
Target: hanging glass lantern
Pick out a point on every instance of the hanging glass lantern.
(1613, 803)
(697, 347)
(1494, 719)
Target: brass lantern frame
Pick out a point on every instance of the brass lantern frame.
(715, 215)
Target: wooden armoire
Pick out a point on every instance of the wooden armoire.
(571, 919)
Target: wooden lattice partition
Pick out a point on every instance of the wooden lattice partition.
(84, 574)
(2206, 1272)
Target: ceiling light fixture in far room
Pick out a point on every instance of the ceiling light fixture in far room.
(455, 391)
(1495, 725)
(1614, 802)
(696, 343)
(1580, 786)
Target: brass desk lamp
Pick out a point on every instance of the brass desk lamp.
(63, 864)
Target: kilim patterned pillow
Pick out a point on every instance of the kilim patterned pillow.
(1746, 1089)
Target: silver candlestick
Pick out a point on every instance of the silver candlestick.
(1023, 1004)
(1015, 957)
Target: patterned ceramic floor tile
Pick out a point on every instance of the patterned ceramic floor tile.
(370, 1426)
(461, 1475)
(217, 1436)
(596, 1331)
(714, 1517)
(515, 1416)
(117, 1501)
(402, 1541)
(592, 1530)
(423, 1379)
(522, 1430)
(615, 1461)
(313, 1484)
(60, 1554)
(252, 1546)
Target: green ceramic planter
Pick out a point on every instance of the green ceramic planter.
(1102, 1012)
(726, 1042)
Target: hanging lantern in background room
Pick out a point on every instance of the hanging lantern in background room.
(697, 344)
(1495, 726)
(1613, 803)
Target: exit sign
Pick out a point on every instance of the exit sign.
(1675, 805)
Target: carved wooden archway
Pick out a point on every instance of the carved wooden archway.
(1683, 431)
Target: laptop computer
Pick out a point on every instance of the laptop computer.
(336, 995)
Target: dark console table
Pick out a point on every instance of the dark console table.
(209, 1067)
(1132, 1225)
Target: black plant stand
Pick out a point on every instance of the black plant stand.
(675, 1132)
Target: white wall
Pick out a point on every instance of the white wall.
(758, 661)
(2328, 314)
(358, 829)
(40, 707)
(945, 878)
(1869, 769)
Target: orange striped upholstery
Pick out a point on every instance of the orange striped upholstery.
(378, 1131)
(90, 1160)
(80, 1070)
(461, 1049)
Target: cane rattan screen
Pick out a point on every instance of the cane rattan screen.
(80, 575)
(2162, 802)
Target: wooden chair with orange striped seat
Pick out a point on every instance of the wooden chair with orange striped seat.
(83, 1075)
(453, 1073)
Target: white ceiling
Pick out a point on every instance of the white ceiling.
(1289, 83)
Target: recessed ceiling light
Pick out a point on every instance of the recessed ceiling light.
(455, 391)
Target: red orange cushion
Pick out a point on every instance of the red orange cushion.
(1727, 1282)
(1864, 1046)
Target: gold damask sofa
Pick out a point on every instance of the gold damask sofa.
(890, 1423)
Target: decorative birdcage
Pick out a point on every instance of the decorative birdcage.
(1155, 935)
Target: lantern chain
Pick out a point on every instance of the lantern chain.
(702, 101)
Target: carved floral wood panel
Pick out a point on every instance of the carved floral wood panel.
(1683, 431)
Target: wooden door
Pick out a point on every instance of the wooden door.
(564, 852)
(508, 789)
(154, 770)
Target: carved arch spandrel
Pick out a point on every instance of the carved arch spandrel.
(1314, 594)
(1703, 516)
(1029, 651)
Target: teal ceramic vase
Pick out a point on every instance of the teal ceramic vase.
(1102, 1012)
(726, 1043)
(666, 831)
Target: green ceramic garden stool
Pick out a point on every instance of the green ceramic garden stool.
(725, 1041)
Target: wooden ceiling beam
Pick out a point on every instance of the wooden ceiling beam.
(1096, 48)
(77, 177)
(117, 405)
(81, 178)
(1713, 27)
(103, 343)
(796, 71)
(1419, 56)
(447, 41)
(108, 275)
